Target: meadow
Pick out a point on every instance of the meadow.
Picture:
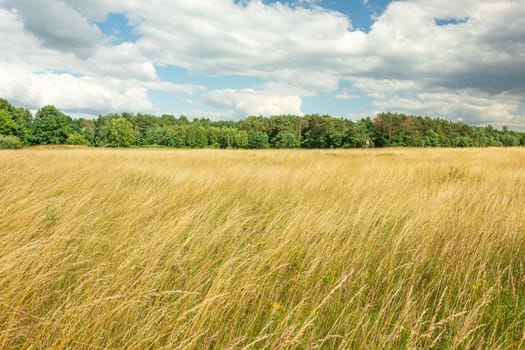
(275, 249)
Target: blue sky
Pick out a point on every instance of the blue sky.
(226, 59)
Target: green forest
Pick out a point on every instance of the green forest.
(19, 128)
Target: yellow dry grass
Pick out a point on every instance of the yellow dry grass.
(201, 249)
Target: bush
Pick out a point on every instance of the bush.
(77, 139)
(10, 142)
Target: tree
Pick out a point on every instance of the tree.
(241, 139)
(50, 127)
(87, 130)
(258, 140)
(463, 141)
(23, 120)
(214, 136)
(522, 139)
(255, 124)
(120, 133)
(357, 135)
(284, 139)
(315, 134)
(7, 124)
(510, 139)
(20, 116)
(196, 136)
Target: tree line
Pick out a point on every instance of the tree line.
(51, 126)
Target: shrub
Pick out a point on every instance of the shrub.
(77, 139)
(10, 142)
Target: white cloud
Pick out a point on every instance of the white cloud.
(293, 44)
(97, 9)
(71, 93)
(114, 78)
(171, 87)
(124, 61)
(58, 25)
(471, 106)
(409, 45)
(246, 102)
(381, 88)
(347, 96)
(474, 68)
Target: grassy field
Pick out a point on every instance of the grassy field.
(202, 249)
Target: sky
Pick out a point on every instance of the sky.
(227, 59)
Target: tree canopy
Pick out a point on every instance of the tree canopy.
(51, 126)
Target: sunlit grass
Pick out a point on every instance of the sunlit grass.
(361, 249)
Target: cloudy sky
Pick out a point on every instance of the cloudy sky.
(225, 59)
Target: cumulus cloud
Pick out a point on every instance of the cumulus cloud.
(34, 90)
(246, 102)
(114, 78)
(57, 25)
(459, 59)
(483, 52)
(273, 41)
(406, 52)
(347, 96)
(472, 69)
(96, 9)
(123, 61)
(470, 106)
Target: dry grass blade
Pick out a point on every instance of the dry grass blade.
(217, 249)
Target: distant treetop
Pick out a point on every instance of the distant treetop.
(51, 126)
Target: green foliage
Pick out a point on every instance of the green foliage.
(316, 133)
(357, 135)
(7, 124)
(283, 131)
(120, 133)
(284, 139)
(464, 141)
(510, 139)
(234, 138)
(87, 130)
(258, 140)
(10, 142)
(214, 136)
(21, 118)
(77, 139)
(255, 124)
(196, 137)
(50, 127)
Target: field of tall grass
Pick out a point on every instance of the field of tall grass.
(292, 249)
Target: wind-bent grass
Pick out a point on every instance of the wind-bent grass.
(363, 249)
